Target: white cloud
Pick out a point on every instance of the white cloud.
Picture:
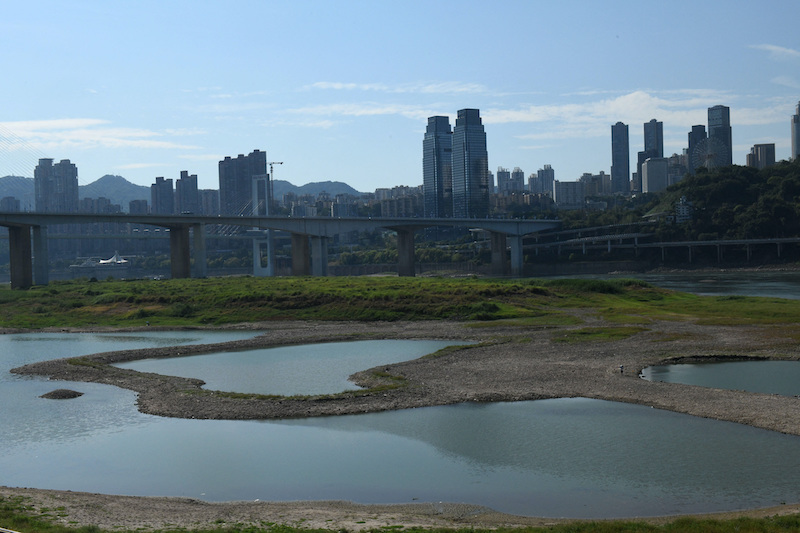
(49, 135)
(364, 109)
(777, 53)
(448, 87)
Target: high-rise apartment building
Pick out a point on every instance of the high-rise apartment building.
(620, 159)
(761, 156)
(437, 168)
(653, 147)
(719, 128)
(654, 138)
(696, 137)
(544, 182)
(503, 176)
(795, 155)
(517, 180)
(470, 166)
(56, 186)
(187, 199)
(236, 182)
(162, 197)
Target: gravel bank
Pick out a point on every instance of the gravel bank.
(508, 363)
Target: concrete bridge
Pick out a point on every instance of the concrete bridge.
(28, 239)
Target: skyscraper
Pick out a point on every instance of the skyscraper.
(795, 155)
(696, 137)
(653, 147)
(719, 128)
(236, 182)
(546, 178)
(620, 159)
(470, 166)
(187, 199)
(162, 197)
(56, 186)
(654, 138)
(437, 168)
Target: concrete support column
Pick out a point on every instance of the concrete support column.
(499, 260)
(20, 264)
(690, 254)
(779, 250)
(747, 246)
(517, 258)
(319, 256)
(200, 269)
(405, 253)
(301, 255)
(41, 263)
(180, 252)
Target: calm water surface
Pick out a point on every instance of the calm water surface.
(289, 370)
(769, 377)
(567, 457)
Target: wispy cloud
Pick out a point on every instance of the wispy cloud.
(364, 109)
(90, 133)
(778, 53)
(447, 87)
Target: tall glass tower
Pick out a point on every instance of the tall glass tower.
(719, 128)
(796, 134)
(437, 168)
(470, 166)
(56, 186)
(620, 159)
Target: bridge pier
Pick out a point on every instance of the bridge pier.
(517, 259)
(41, 263)
(301, 255)
(405, 252)
(20, 262)
(180, 254)
(319, 256)
(499, 245)
(199, 238)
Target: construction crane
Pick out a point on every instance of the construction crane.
(269, 187)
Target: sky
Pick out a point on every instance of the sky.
(341, 90)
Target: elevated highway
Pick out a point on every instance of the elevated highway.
(187, 233)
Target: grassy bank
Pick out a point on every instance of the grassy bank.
(18, 515)
(220, 301)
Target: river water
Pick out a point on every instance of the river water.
(573, 457)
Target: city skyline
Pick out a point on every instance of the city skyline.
(342, 92)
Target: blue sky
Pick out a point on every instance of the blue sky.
(341, 90)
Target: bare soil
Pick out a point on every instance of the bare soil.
(507, 363)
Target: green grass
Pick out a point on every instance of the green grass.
(524, 303)
(597, 334)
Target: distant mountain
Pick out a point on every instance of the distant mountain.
(115, 188)
(281, 187)
(20, 188)
(121, 191)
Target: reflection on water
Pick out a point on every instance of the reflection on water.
(290, 370)
(720, 283)
(769, 377)
(568, 457)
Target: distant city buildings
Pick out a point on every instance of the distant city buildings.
(620, 159)
(761, 156)
(470, 166)
(56, 186)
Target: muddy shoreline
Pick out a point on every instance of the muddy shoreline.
(507, 363)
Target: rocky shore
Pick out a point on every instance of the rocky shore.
(507, 362)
